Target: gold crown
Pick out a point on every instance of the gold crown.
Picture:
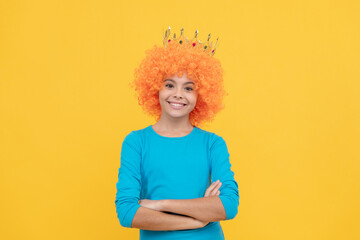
(208, 47)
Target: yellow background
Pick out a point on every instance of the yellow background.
(291, 120)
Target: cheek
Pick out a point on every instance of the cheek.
(194, 99)
(162, 95)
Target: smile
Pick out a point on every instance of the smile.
(176, 105)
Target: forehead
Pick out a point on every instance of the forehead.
(180, 80)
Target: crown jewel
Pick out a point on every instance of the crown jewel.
(207, 46)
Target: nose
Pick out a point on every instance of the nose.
(177, 96)
(178, 93)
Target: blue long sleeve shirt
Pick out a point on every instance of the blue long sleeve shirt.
(157, 167)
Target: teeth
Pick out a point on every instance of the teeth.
(176, 104)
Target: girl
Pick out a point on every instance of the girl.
(175, 180)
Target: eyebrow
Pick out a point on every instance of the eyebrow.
(175, 82)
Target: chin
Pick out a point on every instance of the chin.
(176, 115)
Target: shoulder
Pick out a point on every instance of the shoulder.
(135, 136)
(212, 137)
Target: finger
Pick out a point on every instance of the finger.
(211, 187)
(217, 187)
(213, 191)
(218, 193)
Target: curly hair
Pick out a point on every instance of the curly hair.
(205, 70)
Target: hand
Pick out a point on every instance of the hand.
(200, 223)
(213, 189)
(153, 204)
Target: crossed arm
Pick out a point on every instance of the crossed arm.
(198, 212)
(206, 209)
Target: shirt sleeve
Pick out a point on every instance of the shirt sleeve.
(129, 180)
(221, 170)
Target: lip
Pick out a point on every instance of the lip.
(176, 107)
(177, 102)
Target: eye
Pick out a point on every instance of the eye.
(169, 84)
(189, 88)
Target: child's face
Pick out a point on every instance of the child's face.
(178, 90)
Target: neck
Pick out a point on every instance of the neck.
(171, 124)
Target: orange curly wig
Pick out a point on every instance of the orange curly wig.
(203, 69)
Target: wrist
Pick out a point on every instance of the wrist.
(163, 205)
(200, 224)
